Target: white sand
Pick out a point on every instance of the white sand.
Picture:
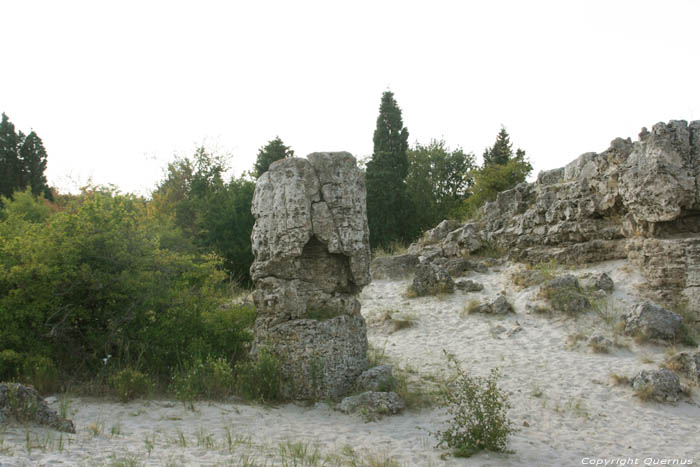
(565, 395)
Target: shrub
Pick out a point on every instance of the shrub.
(211, 379)
(479, 414)
(260, 379)
(41, 373)
(10, 365)
(130, 384)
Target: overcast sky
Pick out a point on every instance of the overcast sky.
(116, 89)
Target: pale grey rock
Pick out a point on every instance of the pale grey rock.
(431, 279)
(394, 267)
(373, 404)
(311, 248)
(686, 363)
(26, 405)
(378, 378)
(601, 343)
(663, 385)
(469, 286)
(652, 321)
(499, 306)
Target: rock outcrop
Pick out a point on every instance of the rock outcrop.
(311, 247)
(637, 200)
(24, 404)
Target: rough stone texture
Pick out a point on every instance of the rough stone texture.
(378, 378)
(600, 343)
(311, 247)
(564, 294)
(636, 200)
(394, 267)
(664, 385)
(653, 322)
(431, 279)
(25, 404)
(469, 286)
(499, 306)
(598, 282)
(686, 363)
(373, 404)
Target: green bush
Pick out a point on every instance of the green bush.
(259, 379)
(210, 379)
(41, 373)
(130, 384)
(478, 410)
(10, 365)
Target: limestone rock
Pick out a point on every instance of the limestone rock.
(431, 279)
(686, 363)
(564, 294)
(661, 385)
(394, 267)
(499, 306)
(24, 404)
(378, 378)
(373, 404)
(311, 248)
(653, 322)
(469, 286)
(598, 282)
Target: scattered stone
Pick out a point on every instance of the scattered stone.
(686, 363)
(311, 246)
(660, 385)
(378, 378)
(653, 322)
(394, 267)
(600, 343)
(469, 286)
(24, 404)
(514, 330)
(372, 404)
(499, 306)
(564, 294)
(497, 330)
(598, 282)
(431, 279)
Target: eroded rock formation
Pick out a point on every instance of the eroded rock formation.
(636, 200)
(311, 247)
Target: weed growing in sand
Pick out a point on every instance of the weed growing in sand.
(130, 384)
(130, 460)
(260, 379)
(470, 307)
(64, 404)
(149, 443)
(97, 428)
(392, 249)
(690, 328)
(397, 320)
(479, 413)
(115, 429)
(619, 380)
(205, 439)
(212, 378)
(181, 440)
(646, 358)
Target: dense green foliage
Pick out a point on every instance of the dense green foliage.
(214, 215)
(22, 161)
(479, 414)
(501, 170)
(271, 152)
(439, 180)
(92, 289)
(389, 207)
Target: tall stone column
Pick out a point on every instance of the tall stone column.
(311, 247)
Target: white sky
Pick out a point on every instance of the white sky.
(116, 89)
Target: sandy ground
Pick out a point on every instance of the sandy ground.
(565, 405)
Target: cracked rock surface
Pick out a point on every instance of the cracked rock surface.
(311, 248)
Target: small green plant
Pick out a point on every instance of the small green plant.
(478, 410)
(260, 379)
(212, 379)
(130, 384)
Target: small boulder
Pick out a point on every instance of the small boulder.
(652, 321)
(660, 385)
(600, 344)
(372, 404)
(25, 404)
(378, 378)
(393, 267)
(499, 306)
(431, 280)
(686, 363)
(469, 286)
(564, 294)
(599, 282)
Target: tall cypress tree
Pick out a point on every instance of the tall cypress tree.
(10, 168)
(389, 208)
(22, 161)
(502, 150)
(271, 152)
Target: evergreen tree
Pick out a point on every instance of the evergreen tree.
(22, 161)
(502, 150)
(33, 157)
(271, 152)
(389, 208)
